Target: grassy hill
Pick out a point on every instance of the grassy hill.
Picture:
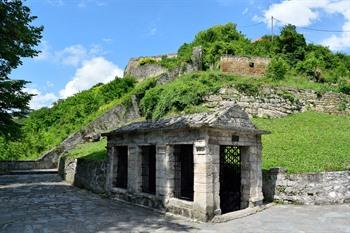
(302, 142)
(306, 142)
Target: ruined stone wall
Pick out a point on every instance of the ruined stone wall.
(306, 188)
(281, 101)
(140, 71)
(246, 66)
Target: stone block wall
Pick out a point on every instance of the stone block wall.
(87, 174)
(307, 188)
(246, 66)
(281, 101)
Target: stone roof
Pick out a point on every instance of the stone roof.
(229, 118)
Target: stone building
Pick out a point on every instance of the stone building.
(198, 165)
(247, 66)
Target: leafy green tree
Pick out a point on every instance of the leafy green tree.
(215, 42)
(292, 44)
(17, 39)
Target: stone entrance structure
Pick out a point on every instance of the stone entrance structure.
(198, 165)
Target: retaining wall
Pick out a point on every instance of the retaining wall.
(306, 188)
(281, 101)
(87, 174)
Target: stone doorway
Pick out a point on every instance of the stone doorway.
(184, 172)
(148, 172)
(120, 167)
(230, 178)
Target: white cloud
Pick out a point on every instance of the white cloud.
(299, 13)
(40, 99)
(93, 71)
(305, 13)
(72, 55)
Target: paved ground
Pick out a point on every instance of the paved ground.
(43, 203)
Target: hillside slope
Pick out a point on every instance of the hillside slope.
(323, 76)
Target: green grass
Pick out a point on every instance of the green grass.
(90, 151)
(306, 142)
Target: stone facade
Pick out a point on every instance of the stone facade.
(246, 66)
(206, 133)
(307, 188)
(281, 101)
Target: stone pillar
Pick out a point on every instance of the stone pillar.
(110, 157)
(203, 182)
(161, 171)
(251, 176)
(134, 169)
(214, 153)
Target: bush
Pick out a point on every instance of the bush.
(277, 69)
(180, 95)
(344, 86)
(248, 88)
(170, 63)
(147, 60)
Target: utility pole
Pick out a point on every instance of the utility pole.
(272, 28)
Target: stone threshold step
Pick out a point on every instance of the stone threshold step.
(32, 172)
(240, 213)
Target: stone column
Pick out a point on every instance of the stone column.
(161, 170)
(251, 176)
(134, 169)
(110, 163)
(214, 153)
(203, 181)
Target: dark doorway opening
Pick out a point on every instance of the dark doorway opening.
(148, 169)
(230, 178)
(120, 167)
(184, 177)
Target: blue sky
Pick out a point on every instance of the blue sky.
(90, 41)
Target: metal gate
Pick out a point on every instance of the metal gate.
(230, 178)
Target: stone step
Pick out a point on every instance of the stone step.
(32, 172)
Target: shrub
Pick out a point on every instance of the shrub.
(248, 88)
(180, 95)
(170, 63)
(277, 69)
(147, 60)
(344, 87)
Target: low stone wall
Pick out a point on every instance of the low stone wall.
(87, 174)
(6, 166)
(306, 188)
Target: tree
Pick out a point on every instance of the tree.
(292, 44)
(18, 39)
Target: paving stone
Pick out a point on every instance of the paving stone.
(44, 204)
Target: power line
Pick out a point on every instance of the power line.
(311, 29)
(251, 25)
